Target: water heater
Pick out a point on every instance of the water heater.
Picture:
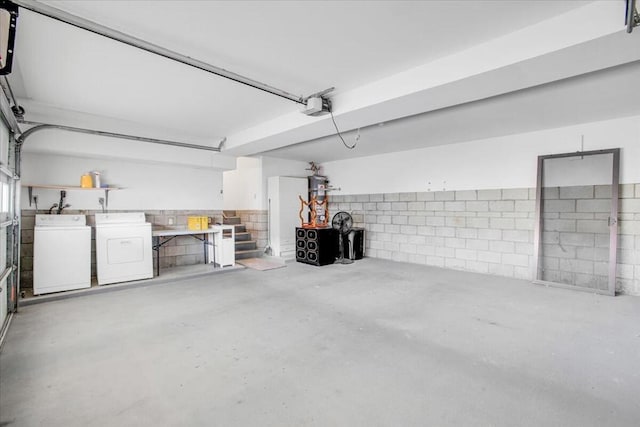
(318, 187)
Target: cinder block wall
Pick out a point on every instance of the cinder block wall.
(575, 238)
(486, 231)
(183, 250)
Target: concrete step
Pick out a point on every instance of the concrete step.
(246, 245)
(252, 253)
(240, 228)
(231, 220)
(241, 237)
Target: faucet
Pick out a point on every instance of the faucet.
(60, 209)
(61, 205)
(55, 205)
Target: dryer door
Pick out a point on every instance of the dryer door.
(124, 250)
(123, 253)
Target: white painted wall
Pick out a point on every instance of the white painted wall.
(504, 162)
(245, 188)
(272, 166)
(148, 186)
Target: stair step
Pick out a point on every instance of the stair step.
(240, 228)
(241, 237)
(252, 253)
(231, 220)
(246, 245)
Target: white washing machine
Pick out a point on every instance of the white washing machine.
(123, 247)
(61, 253)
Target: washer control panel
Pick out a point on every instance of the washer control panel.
(60, 220)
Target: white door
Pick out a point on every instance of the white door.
(284, 215)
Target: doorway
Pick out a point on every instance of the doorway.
(575, 238)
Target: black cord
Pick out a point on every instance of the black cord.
(338, 131)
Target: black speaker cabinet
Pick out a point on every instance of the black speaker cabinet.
(316, 246)
(354, 244)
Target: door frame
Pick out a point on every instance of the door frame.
(613, 220)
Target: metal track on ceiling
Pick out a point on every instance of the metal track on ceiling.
(94, 27)
(43, 126)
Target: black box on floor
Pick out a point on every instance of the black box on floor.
(316, 246)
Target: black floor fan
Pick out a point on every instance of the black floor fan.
(342, 222)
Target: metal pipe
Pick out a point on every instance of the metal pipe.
(16, 211)
(8, 117)
(613, 221)
(5, 91)
(121, 37)
(43, 126)
(632, 19)
(13, 97)
(5, 328)
(17, 153)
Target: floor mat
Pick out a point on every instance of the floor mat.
(260, 264)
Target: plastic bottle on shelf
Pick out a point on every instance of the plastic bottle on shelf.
(96, 179)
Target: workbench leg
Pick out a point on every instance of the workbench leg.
(213, 250)
(156, 248)
(206, 248)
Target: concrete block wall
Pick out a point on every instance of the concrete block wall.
(575, 238)
(485, 231)
(256, 223)
(183, 250)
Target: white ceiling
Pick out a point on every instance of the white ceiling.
(303, 47)
(307, 46)
(598, 96)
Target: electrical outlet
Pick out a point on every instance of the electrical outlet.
(171, 220)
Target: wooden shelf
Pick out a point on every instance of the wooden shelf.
(70, 188)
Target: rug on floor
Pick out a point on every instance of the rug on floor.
(260, 264)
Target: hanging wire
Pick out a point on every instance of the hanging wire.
(350, 147)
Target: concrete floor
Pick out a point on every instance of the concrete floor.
(171, 274)
(373, 343)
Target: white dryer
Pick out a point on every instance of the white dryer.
(123, 247)
(61, 253)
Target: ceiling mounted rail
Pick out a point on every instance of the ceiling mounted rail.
(43, 126)
(7, 114)
(17, 109)
(121, 37)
